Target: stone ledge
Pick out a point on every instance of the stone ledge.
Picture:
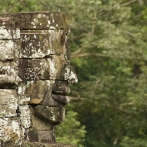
(38, 144)
(38, 20)
(35, 144)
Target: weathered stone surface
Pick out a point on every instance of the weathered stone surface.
(41, 69)
(53, 115)
(9, 73)
(70, 74)
(10, 130)
(46, 92)
(53, 100)
(41, 43)
(39, 20)
(41, 136)
(8, 29)
(61, 87)
(8, 49)
(33, 92)
(55, 67)
(25, 116)
(61, 98)
(38, 144)
(8, 103)
(40, 125)
(39, 129)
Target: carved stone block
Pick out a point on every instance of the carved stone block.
(33, 92)
(8, 103)
(40, 125)
(37, 20)
(8, 49)
(10, 130)
(61, 87)
(53, 68)
(41, 43)
(8, 29)
(36, 144)
(8, 74)
(53, 115)
(25, 116)
(41, 136)
(42, 69)
(61, 98)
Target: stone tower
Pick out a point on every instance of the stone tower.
(34, 74)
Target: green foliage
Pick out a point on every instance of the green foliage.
(71, 131)
(11, 6)
(128, 142)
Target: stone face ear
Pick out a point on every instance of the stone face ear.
(61, 98)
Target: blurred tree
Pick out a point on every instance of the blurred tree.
(10, 6)
(71, 131)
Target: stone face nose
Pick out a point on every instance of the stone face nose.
(70, 74)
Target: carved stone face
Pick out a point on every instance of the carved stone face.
(34, 60)
(45, 70)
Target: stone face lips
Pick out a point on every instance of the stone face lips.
(33, 92)
(9, 46)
